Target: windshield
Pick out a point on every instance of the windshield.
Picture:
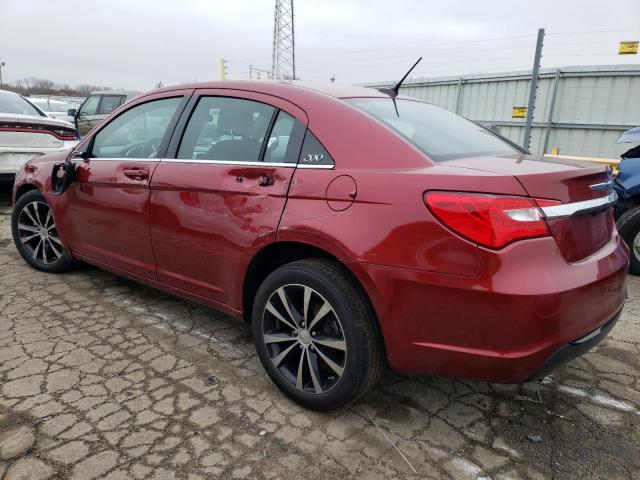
(18, 105)
(438, 133)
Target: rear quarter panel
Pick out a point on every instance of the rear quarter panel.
(388, 222)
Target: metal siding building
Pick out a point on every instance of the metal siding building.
(593, 105)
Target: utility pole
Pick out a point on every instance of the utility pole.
(283, 62)
(532, 90)
(223, 69)
(333, 78)
(2, 64)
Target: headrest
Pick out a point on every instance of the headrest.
(237, 120)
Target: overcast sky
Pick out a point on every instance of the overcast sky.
(136, 43)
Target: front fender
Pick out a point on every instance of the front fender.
(36, 174)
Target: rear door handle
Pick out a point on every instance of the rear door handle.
(136, 173)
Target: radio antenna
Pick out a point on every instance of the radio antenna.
(393, 91)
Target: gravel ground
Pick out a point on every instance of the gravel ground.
(104, 378)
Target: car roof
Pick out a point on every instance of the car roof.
(276, 87)
(128, 93)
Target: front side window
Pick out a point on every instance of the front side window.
(136, 133)
(109, 104)
(439, 134)
(226, 129)
(90, 105)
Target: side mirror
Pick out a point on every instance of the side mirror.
(72, 112)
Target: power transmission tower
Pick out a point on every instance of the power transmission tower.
(283, 63)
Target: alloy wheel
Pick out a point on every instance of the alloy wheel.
(304, 338)
(37, 233)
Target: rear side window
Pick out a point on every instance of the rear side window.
(226, 129)
(438, 133)
(109, 103)
(285, 140)
(136, 133)
(313, 153)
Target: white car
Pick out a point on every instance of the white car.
(54, 108)
(26, 132)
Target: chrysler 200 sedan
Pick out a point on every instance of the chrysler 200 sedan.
(349, 226)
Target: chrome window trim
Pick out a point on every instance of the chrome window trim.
(214, 162)
(229, 162)
(121, 159)
(249, 164)
(569, 209)
(320, 167)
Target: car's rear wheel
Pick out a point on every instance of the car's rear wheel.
(35, 234)
(316, 335)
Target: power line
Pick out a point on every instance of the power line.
(351, 60)
(334, 55)
(441, 61)
(460, 52)
(593, 31)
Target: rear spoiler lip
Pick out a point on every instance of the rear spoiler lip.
(576, 208)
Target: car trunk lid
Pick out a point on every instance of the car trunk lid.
(579, 230)
(30, 131)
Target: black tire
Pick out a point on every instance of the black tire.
(42, 253)
(629, 227)
(351, 320)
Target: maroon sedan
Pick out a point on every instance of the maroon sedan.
(347, 225)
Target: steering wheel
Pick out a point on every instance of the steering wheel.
(150, 148)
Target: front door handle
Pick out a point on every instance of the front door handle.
(266, 180)
(136, 173)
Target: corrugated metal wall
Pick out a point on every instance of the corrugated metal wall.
(593, 105)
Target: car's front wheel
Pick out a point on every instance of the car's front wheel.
(35, 234)
(316, 335)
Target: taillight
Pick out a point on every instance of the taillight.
(61, 133)
(65, 133)
(489, 220)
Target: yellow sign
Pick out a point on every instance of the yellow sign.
(628, 48)
(519, 112)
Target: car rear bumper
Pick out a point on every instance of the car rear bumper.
(574, 349)
(504, 325)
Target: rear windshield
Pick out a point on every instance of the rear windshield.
(17, 105)
(440, 134)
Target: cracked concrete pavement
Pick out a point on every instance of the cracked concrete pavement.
(104, 378)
